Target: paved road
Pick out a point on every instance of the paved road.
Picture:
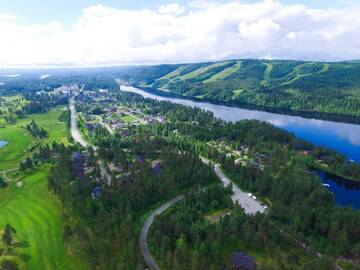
(77, 137)
(74, 127)
(145, 229)
(250, 205)
(7, 179)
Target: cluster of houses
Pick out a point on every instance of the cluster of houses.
(112, 113)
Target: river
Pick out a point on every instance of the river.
(342, 137)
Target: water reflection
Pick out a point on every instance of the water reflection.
(343, 137)
(346, 193)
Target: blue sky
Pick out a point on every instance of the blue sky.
(66, 11)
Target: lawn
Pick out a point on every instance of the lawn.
(35, 213)
(31, 209)
(20, 141)
(128, 119)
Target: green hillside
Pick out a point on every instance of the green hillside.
(319, 87)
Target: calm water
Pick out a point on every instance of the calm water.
(3, 143)
(343, 137)
(346, 192)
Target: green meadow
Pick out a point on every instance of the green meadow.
(128, 119)
(35, 213)
(20, 142)
(31, 209)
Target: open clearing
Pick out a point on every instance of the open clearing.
(28, 205)
(224, 73)
(201, 70)
(128, 119)
(36, 216)
(20, 141)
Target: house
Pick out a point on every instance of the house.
(96, 193)
(241, 261)
(114, 168)
(140, 158)
(156, 166)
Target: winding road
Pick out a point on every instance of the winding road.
(74, 127)
(78, 138)
(250, 205)
(145, 230)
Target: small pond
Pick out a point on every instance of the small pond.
(3, 143)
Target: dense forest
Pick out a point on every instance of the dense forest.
(303, 87)
(150, 164)
(200, 232)
(110, 223)
(108, 218)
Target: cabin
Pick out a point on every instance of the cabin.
(96, 193)
(156, 166)
(140, 159)
(241, 261)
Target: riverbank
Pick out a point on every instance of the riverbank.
(306, 114)
(335, 174)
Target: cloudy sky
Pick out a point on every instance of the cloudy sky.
(110, 32)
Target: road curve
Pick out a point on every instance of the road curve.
(250, 205)
(149, 260)
(77, 138)
(74, 128)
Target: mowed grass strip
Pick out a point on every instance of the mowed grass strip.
(224, 73)
(266, 79)
(20, 141)
(31, 209)
(35, 213)
(173, 74)
(128, 119)
(201, 70)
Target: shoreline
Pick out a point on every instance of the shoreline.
(305, 114)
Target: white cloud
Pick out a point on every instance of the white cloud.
(174, 33)
(173, 8)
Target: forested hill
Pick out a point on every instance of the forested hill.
(320, 87)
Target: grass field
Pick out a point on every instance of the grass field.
(173, 74)
(20, 141)
(128, 119)
(224, 73)
(202, 70)
(31, 209)
(36, 216)
(269, 68)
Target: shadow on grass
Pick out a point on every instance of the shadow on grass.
(25, 257)
(23, 244)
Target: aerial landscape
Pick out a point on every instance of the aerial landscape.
(180, 135)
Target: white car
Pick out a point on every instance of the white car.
(249, 194)
(254, 197)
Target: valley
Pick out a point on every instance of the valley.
(96, 171)
(310, 89)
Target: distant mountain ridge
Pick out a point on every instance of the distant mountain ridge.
(305, 86)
